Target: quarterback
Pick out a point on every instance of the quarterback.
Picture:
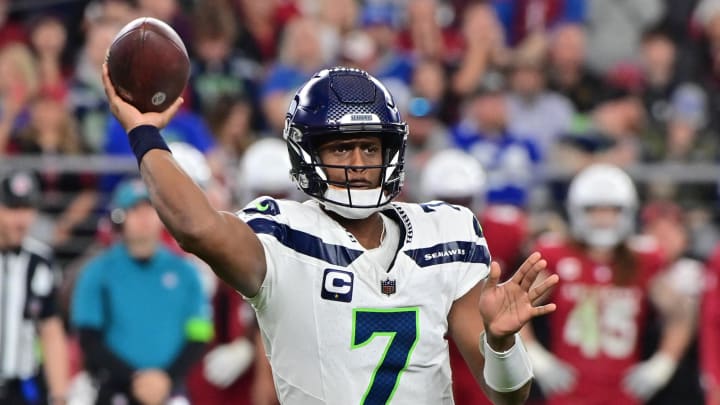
(355, 294)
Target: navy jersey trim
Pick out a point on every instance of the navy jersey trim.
(465, 252)
(305, 243)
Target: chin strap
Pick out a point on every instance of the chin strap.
(337, 200)
(352, 212)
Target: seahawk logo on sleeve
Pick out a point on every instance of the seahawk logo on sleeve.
(265, 207)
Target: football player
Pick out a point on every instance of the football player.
(229, 368)
(354, 294)
(607, 278)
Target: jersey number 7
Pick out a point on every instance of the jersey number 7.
(401, 326)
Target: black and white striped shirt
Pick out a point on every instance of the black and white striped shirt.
(28, 289)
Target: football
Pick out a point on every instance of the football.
(148, 64)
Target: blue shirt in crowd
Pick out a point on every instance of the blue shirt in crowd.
(146, 310)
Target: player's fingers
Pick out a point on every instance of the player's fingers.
(543, 309)
(532, 274)
(539, 291)
(107, 84)
(171, 111)
(493, 277)
(525, 267)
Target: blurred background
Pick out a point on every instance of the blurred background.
(532, 90)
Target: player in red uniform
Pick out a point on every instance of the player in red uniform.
(710, 331)
(607, 279)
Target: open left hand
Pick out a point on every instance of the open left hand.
(506, 307)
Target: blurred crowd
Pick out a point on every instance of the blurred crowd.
(506, 101)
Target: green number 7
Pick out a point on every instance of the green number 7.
(401, 325)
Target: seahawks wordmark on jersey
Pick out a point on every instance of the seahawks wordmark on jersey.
(341, 328)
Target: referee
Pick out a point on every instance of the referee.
(28, 306)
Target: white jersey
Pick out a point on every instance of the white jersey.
(340, 329)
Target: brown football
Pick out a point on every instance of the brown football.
(148, 64)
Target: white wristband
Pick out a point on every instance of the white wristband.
(506, 371)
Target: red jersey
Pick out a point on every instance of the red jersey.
(229, 325)
(710, 323)
(597, 325)
(506, 230)
(466, 391)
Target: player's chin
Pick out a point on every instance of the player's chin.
(364, 186)
(354, 186)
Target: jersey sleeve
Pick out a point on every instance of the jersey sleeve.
(264, 217)
(476, 267)
(86, 309)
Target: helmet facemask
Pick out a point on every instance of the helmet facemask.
(602, 185)
(343, 103)
(310, 173)
(603, 236)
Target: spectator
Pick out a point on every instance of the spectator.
(534, 112)
(592, 355)
(527, 18)
(682, 133)
(610, 20)
(262, 26)
(11, 30)
(86, 98)
(341, 15)
(67, 221)
(484, 51)
(48, 36)
(19, 83)
(567, 73)
(139, 309)
(231, 124)
(380, 21)
(611, 134)
(425, 37)
(430, 81)
(672, 128)
(29, 307)
(509, 160)
(115, 11)
(218, 69)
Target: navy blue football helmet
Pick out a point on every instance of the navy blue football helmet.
(344, 102)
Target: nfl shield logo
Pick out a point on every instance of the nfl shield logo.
(387, 287)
